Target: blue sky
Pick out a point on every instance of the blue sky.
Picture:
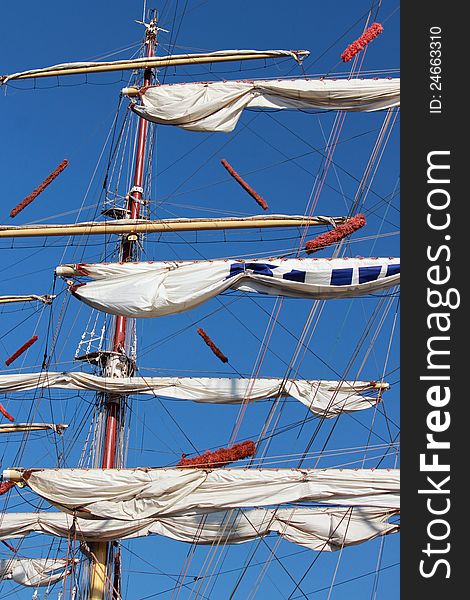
(279, 154)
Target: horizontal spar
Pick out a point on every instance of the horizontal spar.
(128, 226)
(154, 62)
(18, 427)
(46, 299)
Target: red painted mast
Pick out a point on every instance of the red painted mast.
(133, 206)
(112, 407)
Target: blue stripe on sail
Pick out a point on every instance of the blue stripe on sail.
(295, 275)
(341, 277)
(257, 268)
(261, 268)
(369, 273)
(392, 270)
(236, 269)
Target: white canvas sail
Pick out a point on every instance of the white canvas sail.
(34, 572)
(130, 494)
(325, 399)
(323, 529)
(155, 289)
(217, 105)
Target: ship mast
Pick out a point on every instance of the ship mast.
(116, 363)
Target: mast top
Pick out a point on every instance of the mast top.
(151, 29)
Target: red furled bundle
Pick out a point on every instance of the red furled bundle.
(24, 203)
(261, 201)
(20, 351)
(5, 413)
(336, 234)
(5, 486)
(369, 34)
(212, 346)
(220, 457)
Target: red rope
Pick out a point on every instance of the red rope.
(220, 457)
(24, 203)
(220, 355)
(261, 201)
(20, 351)
(369, 34)
(336, 234)
(5, 413)
(9, 546)
(5, 486)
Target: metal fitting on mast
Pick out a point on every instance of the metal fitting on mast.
(152, 29)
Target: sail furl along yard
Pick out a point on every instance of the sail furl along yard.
(155, 289)
(326, 399)
(316, 528)
(218, 105)
(129, 494)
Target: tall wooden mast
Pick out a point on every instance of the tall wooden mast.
(116, 363)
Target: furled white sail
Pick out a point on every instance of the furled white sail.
(217, 105)
(34, 572)
(325, 399)
(155, 289)
(324, 529)
(130, 494)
